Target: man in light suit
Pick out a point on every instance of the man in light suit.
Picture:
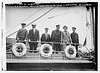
(33, 36)
(45, 36)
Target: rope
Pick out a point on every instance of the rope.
(41, 16)
(25, 19)
(57, 15)
(34, 20)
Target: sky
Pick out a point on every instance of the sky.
(69, 16)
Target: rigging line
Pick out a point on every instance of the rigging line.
(41, 16)
(34, 20)
(57, 15)
(25, 19)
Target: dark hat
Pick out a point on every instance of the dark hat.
(57, 25)
(23, 23)
(73, 27)
(65, 27)
(46, 28)
(33, 24)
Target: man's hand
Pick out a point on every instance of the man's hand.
(17, 39)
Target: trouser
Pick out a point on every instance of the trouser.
(33, 45)
(57, 47)
(76, 46)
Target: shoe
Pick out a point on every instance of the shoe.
(77, 55)
(35, 51)
(30, 51)
(56, 52)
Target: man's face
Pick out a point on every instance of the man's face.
(33, 26)
(23, 26)
(58, 27)
(46, 30)
(65, 28)
(73, 29)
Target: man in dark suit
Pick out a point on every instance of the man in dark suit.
(33, 36)
(56, 37)
(45, 36)
(75, 38)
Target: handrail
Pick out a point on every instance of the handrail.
(51, 42)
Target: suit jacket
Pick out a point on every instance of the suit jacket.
(33, 36)
(44, 39)
(56, 36)
(75, 37)
(22, 34)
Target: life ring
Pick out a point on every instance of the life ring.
(70, 51)
(19, 49)
(46, 50)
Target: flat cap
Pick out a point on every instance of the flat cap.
(57, 25)
(73, 27)
(33, 24)
(23, 23)
(46, 28)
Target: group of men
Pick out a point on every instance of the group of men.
(57, 37)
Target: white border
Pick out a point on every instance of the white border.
(3, 49)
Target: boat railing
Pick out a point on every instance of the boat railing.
(60, 54)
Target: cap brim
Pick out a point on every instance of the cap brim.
(33, 25)
(23, 24)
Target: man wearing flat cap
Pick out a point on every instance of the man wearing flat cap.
(56, 37)
(75, 38)
(22, 34)
(45, 36)
(33, 36)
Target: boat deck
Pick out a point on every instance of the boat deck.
(57, 62)
(46, 61)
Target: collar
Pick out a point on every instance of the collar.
(33, 29)
(46, 33)
(74, 32)
(23, 28)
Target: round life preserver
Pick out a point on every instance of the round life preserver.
(46, 50)
(19, 49)
(70, 51)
